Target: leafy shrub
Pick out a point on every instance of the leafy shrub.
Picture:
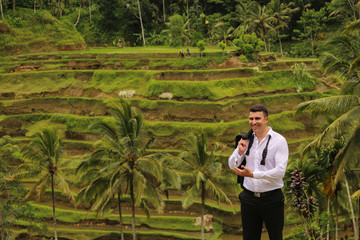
(242, 58)
(176, 30)
(300, 50)
(249, 51)
(222, 46)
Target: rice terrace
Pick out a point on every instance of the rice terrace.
(95, 125)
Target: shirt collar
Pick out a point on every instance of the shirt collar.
(270, 132)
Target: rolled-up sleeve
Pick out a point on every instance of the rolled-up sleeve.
(235, 159)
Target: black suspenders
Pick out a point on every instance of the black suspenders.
(264, 154)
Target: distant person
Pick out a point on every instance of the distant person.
(260, 160)
(188, 52)
(182, 53)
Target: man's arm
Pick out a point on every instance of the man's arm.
(238, 155)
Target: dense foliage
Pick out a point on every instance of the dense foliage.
(179, 23)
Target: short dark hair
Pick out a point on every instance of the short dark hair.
(259, 108)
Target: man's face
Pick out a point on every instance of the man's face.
(258, 121)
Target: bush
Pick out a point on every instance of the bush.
(242, 58)
(201, 45)
(222, 46)
(249, 51)
(300, 50)
(239, 43)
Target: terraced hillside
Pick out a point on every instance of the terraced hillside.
(72, 90)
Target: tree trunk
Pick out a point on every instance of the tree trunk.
(269, 45)
(281, 51)
(202, 210)
(53, 203)
(328, 223)
(120, 215)
(13, 6)
(1, 10)
(356, 234)
(337, 220)
(312, 45)
(164, 11)
(141, 24)
(132, 208)
(90, 10)
(2, 233)
(60, 8)
(188, 17)
(78, 19)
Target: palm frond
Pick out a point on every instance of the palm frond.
(189, 196)
(352, 27)
(355, 65)
(333, 64)
(36, 186)
(151, 166)
(330, 105)
(356, 194)
(154, 197)
(139, 182)
(349, 155)
(63, 185)
(342, 125)
(218, 192)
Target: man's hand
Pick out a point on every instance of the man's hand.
(242, 146)
(244, 172)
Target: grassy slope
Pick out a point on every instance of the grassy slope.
(113, 81)
(25, 31)
(145, 84)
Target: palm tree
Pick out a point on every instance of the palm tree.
(345, 106)
(187, 13)
(79, 14)
(202, 173)
(346, 9)
(326, 162)
(260, 21)
(99, 193)
(1, 10)
(42, 159)
(222, 31)
(121, 159)
(141, 23)
(279, 14)
(242, 15)
(164, 14)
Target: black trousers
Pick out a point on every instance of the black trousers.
(256, 210)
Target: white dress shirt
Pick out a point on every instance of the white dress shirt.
(269, 176)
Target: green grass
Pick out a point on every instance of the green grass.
(108, 51)
(85, 234)
(36, 82)
(144, 84)
(272, 101)
(266, 82)
(75, 216)
(114, 81)
(40, 31)
(281, 122)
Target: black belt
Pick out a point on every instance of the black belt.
(261, 194)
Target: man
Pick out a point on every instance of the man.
(266, 159)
